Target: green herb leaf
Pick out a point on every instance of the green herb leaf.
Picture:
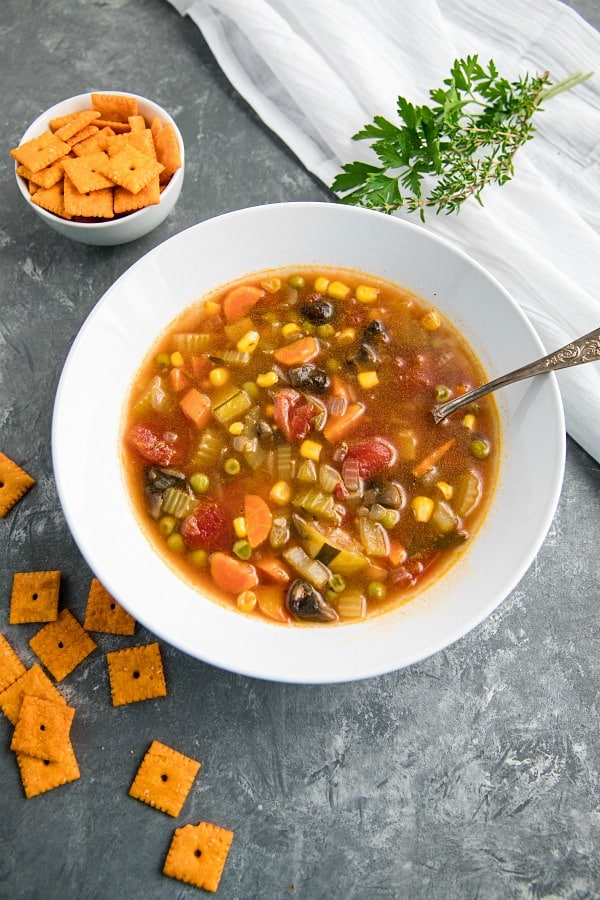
(465, 140)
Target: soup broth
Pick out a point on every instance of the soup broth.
(281, 454)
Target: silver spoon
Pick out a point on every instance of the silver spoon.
(584, 349)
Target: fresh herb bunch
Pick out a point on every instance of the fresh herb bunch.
(447, 152)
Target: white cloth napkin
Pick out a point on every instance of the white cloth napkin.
(316, 71)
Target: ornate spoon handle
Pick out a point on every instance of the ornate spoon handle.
(584, 349)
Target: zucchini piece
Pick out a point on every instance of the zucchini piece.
(333, 547)
(232, 406)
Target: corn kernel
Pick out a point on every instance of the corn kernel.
(271, 285)
(321, 284)
(269, 410)
(431, 320)
(366, 294)
(469, 421)
(422, 508)
(239, 526)
(290, 328)
(212, 308)
(445, 489)
(267, 379)
(176, 359)
(338, 290)
(310, 450)
(236, 428)
(368, 379)
(346, 335)
(218, 376)
(246, 601)
(280, 493)
(249, 342)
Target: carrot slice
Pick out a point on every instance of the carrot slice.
(272, 568)
(259, 519)
(240, 300)
(297, 353)
(429, 461)
(337, 427)
(178, 380)
(196, 407)
(232, 575)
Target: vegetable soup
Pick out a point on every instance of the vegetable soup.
(281, 453)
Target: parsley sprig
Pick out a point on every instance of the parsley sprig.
(444, 153)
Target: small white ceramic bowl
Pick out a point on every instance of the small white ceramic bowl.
(122, 229)
(87, 425)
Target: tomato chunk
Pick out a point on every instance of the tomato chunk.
(293, 414)
(208, 527)
(160, 449)
(373, 455)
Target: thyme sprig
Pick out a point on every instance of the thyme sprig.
(445, 153)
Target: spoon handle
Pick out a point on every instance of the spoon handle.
(584, 349)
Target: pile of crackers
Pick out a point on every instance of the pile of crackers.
(100, 162)
(32, 701)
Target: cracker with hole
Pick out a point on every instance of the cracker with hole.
(131, 169)
(41, 775)
(40, 151)
(135, 674)
(85, 174)
(34, 597)
(11, 664)
(104, 614)
(62, 645)
(164, 778)
(14, 483)
(198, 854)
(35, 683)
(124, 201)
(42, 729)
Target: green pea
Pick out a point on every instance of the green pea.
(442, 393)
(480, 448)
(325, 331)
(232, 466)
(199, 482)
(376, 590)
(198, 558)
(166, 525)
(251, 388)
(333, 365)
(175, 542)
(242, 549)
(389, 518)
(297, 281)
(337, 583)
(163, 360)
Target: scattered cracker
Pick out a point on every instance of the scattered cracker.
(197, 855)
(131, 168)
(62, 645)
(11, 665)
(42, 729)
(84, 173)
(34, 597)
(164, 778)
(104, 614)
(136, 674)
(93, 204)
(35, 683)
(76, 123)
(41, 775)
(124, 201)
(40, 151)
(52, 199)
(115, 106)
(14, 482)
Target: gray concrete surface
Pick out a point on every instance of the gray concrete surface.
(471, 775)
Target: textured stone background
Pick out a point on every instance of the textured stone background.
(471, 775)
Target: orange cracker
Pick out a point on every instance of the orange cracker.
(40, 151)
(41, 775)
(198, 854)
(115, 106)
(92, 204)
(84, 174)
(52, 199)
(45, 177)
(62, 645)
(117, 127)
(104, 614)
(164, 778)
(34, 597)
(167, 151)
(136, 674)
(131, 169)
(76, 123)
(137, 123)
(11, 666)
(14, 482)
(35, 683)
(42, 729)
(86, 132)
(141, 140)
(124, 201)
(94, 144)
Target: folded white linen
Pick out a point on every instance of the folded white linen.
(316, 71)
